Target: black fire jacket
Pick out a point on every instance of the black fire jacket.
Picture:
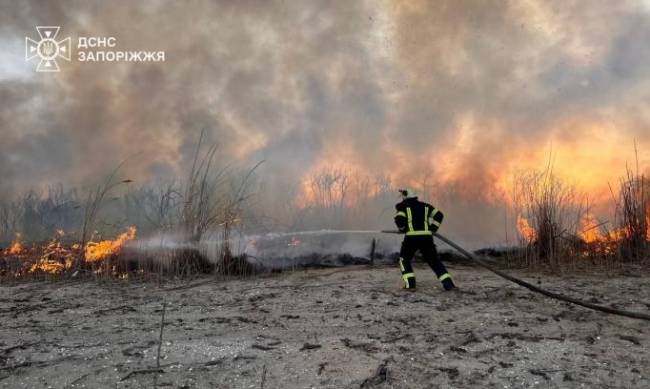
(415, 217)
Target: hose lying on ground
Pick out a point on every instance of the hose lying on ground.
(557, 296)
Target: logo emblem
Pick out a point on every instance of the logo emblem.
(47, 49)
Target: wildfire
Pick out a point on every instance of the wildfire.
(525, 229)
(97, 251)
(57, 257)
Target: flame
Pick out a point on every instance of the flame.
(97, 251)
(590, 231)
(525, 230)
(294, 242)
(594, 155)
(16, 247)
(56, 258)
(51, 266)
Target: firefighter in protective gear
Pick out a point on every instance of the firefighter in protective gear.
(418, 221)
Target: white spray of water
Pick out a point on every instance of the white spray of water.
(277, 235)
(264, 245)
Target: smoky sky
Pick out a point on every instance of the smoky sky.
(459, 91)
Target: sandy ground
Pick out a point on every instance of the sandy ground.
(333, 328)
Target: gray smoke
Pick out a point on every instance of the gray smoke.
(460, 93)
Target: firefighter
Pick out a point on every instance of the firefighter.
(418, 221)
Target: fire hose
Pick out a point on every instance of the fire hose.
(553, 295)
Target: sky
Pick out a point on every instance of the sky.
(460, 93)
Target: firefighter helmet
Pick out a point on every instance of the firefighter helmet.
(408, 193)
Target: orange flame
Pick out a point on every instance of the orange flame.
(590, 231)
(97, 251)
(525, 230)
(16, 247)
(55, 259)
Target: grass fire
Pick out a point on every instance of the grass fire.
(56, 257)
(366, 194)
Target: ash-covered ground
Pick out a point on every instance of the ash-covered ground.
(333, 328)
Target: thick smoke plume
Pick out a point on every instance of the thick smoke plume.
(454, 96)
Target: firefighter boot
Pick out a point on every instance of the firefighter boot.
(409, 282)
(447, 283)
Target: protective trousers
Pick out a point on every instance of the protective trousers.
(425, 245)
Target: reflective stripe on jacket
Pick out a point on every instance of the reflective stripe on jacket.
(415, 217)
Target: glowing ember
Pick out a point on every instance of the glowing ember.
(525, 230)
(294, 242)
(97, 251)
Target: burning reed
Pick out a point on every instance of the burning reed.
(556, 227)
(58, 258)
(548, 215)
(209, 199)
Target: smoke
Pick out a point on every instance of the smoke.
(462, 93)
(283, 250)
